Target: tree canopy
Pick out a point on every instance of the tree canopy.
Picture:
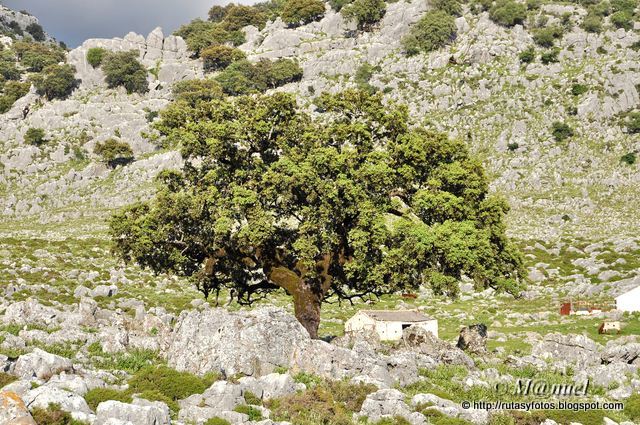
(352, 202)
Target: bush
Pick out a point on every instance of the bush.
(550, 56)
(561, 131)
(296, 12)
(452, 7)
(36, 31)
(95, 55)
(8, 69)
(624, 5)
(622, 19)
(114, 152)
(124, 69)
(254, 414)
(546, 37)
(35, 136)
(199, 35)
(508, 13)
(56, 81)
(633, 122)
(169, 382)
(364, 73)
(12, 91)
(97, 395)
(220, 57)
(365, 12)
(279, 72)
(240, 16)
(434, 30)
(6, 379)
(592, 23)
(242, 77)
(252, 399)
(193, 91)
(632, 407)
(53, 416)
(35, 56)
(527, 56)
(217, 421)
(579, 89)
(218, 13)
(630, 159)
(337, 5)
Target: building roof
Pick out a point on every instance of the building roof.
(396, 315)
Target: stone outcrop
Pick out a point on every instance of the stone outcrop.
(13, 411)
(473, 339)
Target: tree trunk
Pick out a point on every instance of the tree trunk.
(307, 309)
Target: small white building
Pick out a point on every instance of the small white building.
(629, 301)
(389, 324)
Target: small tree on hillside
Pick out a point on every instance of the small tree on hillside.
(508, 13)
(433, 31)
(36, 31)
(114, 152)
(56, 81)
(35, 136)
(95, 55)
(219, 57)
(352, 203)
(365, 12)
(296, 12)
(124, 69)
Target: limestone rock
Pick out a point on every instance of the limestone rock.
(473, 339)
(152, 414)
(45, 395)
(13, 411)
(40, 364)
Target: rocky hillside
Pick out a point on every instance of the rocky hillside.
(552, 121)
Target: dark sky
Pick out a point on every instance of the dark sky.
(73, 21)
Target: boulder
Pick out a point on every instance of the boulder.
(253, 343)
(13, 411)
(627, 353)
(422, 341)
(473, 339)
(30, 312)
(274, 385)
(572, 349)
(45, 395)
(40, 364)
(451, 409)
(387, 403)
(152, 414)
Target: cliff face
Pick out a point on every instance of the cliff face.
(16, 23)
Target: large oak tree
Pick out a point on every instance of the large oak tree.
(346, 202)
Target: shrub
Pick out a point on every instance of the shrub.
(238, 79)
(8, 69)
(632, 407)
(279, 72)
(252, 399)
(242, 77)
(35, 56)
(365, 12)
(193, 91)
(240, 16)
(434, 30)
(6, 379)
(53, 416)
(168, 382)
(508, 13)
(452, 7)
(629, 159)
(534, 4)
(36, 31)
(296, 12)
(633, 122)
(592, 23)
(561, 131)
(254, 414)
(199, 35)
(337, 5)
(527, 56)
(95, 55)
(396, 420)
(218, 13)
(56, 81)
(97, 395)
(546, 37)
(35, 136)
(12, 91)
(124, 69)
(114, 152)
(622, 19)
(579, 89)
(550, 56)
(624, 5)
(364, 73)
(220, 57)
(217, 421)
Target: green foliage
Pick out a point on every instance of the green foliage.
(632, 407)
(252, 399)
(633, 122)
(56, 81)
(200, 35)
(296, 12)
(243, 77)
(365, 12)
(194, 91)
(592, 23)
(12, 91)
(218, 13)
(95, 55)
(337, 5)
(546, 37)
(254, 414)
(364, 73)
(434, 30)
(168, 382)
(6, 379)
(97, 395)
(629, 158)
(8, 69)
(35, 136)
(452, 7)
(579, 89)
(508, 13)
(240, 16)
(396, 420)
(561, 131)
(624, 5)
(114, 152)
(622, 19)
(35, 56)
(217, 421)
(53, 416)
(36, 31)
(338, 171)
(220, 57)
(122, 69)
(527, 56)
(550, 56)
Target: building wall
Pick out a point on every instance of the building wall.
(431, 326)
(629, 301)
(387, 331)
(358, 322)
